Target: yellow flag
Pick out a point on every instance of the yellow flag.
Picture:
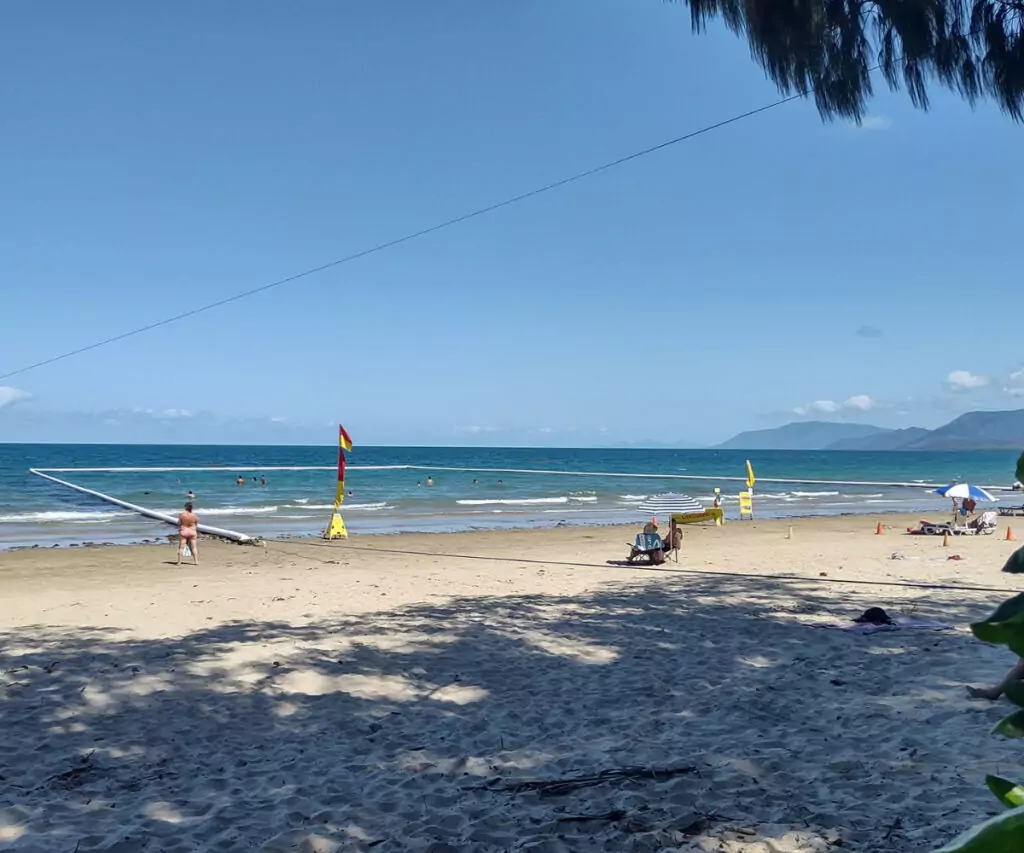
(750, 476)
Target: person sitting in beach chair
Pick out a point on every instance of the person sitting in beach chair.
(648, 544)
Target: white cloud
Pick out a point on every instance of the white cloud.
(875, 123)
(964, 380)
(823, 407)
(1015, 383)
(9, 396)
(163, 414)
(857, 403)
(280, 419)
(860, 402)
(473, 429)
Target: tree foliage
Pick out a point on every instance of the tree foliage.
(829, 48)
(1005, 832)
(1020, 469)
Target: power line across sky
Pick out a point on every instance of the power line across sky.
(405, 238)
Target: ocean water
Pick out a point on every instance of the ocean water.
(298, 503)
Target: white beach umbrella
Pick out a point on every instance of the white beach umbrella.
(672, 503)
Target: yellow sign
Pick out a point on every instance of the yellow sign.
(746, 505)
(713, 513)
(336, 529)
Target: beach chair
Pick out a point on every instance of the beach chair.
(938, 528)
(1011, 510)
(985, 523)
(647, 545)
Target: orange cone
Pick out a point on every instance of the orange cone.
(878, 530)
(1009, 534)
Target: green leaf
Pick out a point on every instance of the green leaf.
(1015, 565)
(1002, 834)
(1020, 469)
(1015, 693)
(1008, 793)
(1012, 726)
(1008, 609)
(1009, 632)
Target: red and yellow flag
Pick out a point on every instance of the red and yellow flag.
(344, 443)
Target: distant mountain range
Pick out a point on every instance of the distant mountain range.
(972, 431)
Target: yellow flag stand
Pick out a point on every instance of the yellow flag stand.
(336, 529)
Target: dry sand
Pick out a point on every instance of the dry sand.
(388, 694)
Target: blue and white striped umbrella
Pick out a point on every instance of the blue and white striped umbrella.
(964, 490)
(669, 504)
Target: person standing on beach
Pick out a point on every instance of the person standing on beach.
(188, 534)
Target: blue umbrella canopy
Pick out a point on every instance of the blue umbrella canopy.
(965, 490)
(671, 503)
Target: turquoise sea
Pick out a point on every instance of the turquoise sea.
(298, 503)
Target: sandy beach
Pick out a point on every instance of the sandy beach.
(419, 692)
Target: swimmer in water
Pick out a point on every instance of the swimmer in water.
(240, 480)
(430, 481)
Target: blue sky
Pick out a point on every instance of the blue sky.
(156, 158)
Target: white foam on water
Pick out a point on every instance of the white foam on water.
(633, 497)
(815, 494)
(235, 510)
(583, 498)
(345, 507)
(57, 516)
(513, 501)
